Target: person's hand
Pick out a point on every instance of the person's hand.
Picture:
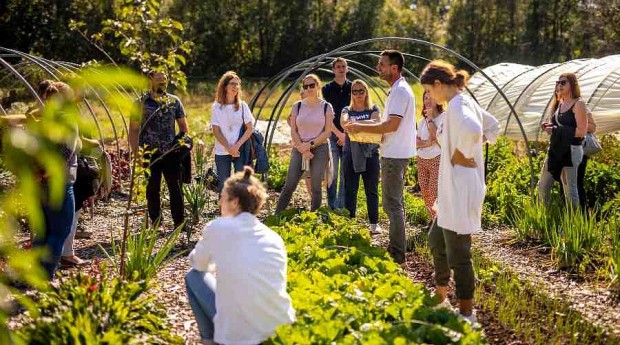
(233, 150)
(459, 159)
(547, 127)
(304, 147)
(340, 136)
(307, 155)
(352, 128)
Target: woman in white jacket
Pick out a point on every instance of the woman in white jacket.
(249, 260)
(461, 186)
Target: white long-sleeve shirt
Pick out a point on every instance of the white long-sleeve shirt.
(250, 261)
(461, 190)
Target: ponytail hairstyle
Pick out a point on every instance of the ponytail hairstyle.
(246, 188)
(445, 73)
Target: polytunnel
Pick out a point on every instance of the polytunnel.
(530, 90)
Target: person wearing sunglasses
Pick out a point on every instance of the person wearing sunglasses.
(567, 125)
(311, 125)
(361, 154)
(398, 128)
(229, 114)
(338, 94)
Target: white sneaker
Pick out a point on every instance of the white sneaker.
(445, 304)
(375, 229)
(471, 319)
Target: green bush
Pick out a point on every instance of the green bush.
(601, 183)
(278, 169)
(415, 210)
(346, 291)
(94, 308)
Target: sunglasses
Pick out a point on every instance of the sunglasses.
(561, 82)
(358, 92)
(309, 86)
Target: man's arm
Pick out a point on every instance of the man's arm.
(182, 123)
(388, 126)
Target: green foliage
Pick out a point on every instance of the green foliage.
(346, 291)
(146, 36)
(415, 210)
(144, 257)
(278, 168)
(196, 194)
(95, 308)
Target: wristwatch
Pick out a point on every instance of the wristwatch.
(311, 143)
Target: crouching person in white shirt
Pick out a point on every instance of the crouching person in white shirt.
(248, 262)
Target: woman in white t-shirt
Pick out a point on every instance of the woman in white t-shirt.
(461, 186)
(429, 151)
(229, 113)
(237, 285)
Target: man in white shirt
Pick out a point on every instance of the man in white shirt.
(398, 145)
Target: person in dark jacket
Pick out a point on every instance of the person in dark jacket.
(567, 126)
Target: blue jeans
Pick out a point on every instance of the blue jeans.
(371, 185)
(58, 221)
(223, 165)
(568, 178)
(336, 192)
(200, 288)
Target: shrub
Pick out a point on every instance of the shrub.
(278, 169)
(94, 308)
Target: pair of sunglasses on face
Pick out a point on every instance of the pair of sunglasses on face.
(561, 82)
(358, 92)
(309, 86)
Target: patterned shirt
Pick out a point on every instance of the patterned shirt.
(158, 121)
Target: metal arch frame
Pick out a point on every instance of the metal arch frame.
(314, 62)
(53, 69)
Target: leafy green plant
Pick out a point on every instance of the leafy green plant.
(95, 308)
(197, 194)
(278, 169)
(345, 290)
(144, 257)
(415, 210)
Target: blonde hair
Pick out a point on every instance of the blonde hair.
(367, 100)
(247, 189)
(220, 93)
(317, 88)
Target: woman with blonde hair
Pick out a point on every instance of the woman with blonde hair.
(361, 154)
(311, 125)
(247, 300)
(229, 115)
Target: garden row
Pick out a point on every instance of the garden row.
(346, 291)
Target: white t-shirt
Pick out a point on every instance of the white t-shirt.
(461, 190)
(230, 121)
(400, 102)
(250, 261)
(424, 134)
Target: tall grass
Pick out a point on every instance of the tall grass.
(576, 239)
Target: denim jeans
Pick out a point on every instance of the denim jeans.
(568, 177)
(170, 167)
(318, 164)
(201, 287)
(452, 251)
(393, 183)
(223, 165)
(581, 174)
(336, 192)
(67, 249)
(58, 220)
(371, 185)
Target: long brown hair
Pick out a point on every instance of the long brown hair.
(445, 72)
(575, 90)
(220, 93)
(438, 107)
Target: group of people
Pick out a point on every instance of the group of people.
(347, 137)
(237, 284)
